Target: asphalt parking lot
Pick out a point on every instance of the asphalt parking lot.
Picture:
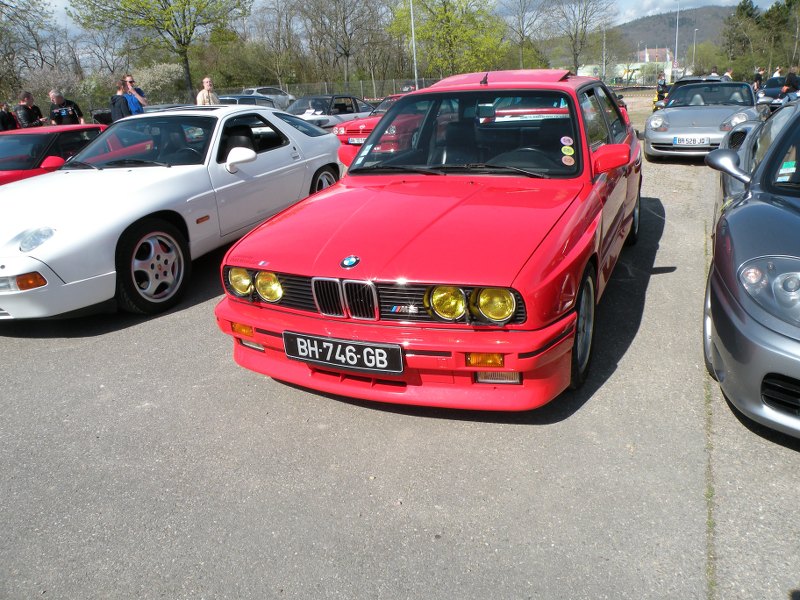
(138, 461)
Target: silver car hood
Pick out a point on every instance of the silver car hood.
(703, 116)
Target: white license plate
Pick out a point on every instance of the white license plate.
(690, 140)
(344, 354)
(356, 140)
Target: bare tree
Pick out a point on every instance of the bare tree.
(576, 19)
(274, 26)
(524, 21)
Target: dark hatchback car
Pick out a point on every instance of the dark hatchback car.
(751, 316)
(771, 92)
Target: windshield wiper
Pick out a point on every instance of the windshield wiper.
(80, 163)
(404, 168)
(135, 161)
(493, 167)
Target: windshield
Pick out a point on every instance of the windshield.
(310, 105)
(385, 104)
(529, 133)
(712, 94)
(163, 140)
(22, 151)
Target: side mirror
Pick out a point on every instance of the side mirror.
(346, 153)
(237, 156)
(727, 161)
(51, 163)
(659, 105)
(610, 157)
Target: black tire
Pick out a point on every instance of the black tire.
(323, 178)
(584, 329)
(153, 267)
(633, 233)
(708, 326)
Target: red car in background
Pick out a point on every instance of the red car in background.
(356, 131)
(461, 270)
(29, 152)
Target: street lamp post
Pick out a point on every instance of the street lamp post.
(677, 23)
(414, 46)
(694, 48)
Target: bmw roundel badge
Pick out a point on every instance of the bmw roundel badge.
(349, 262)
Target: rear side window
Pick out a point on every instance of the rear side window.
(613, 116)
(596, 128)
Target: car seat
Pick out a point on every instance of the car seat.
(235, 136)
(697, 100)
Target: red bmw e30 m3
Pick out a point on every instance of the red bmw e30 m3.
(460, 270)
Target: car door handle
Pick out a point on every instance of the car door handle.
(295, 154)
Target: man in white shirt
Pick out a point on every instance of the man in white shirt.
(207, 96)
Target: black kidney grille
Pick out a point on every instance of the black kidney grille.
(362, 299)
(328, 296)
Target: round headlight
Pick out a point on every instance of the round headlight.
(496, 304)
(656, 122)
(448, 302)
(268, 286)
(241, 281)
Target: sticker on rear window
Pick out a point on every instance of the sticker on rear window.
(568, 150)
(567, 141)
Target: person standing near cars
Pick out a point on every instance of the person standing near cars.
(758, 79)
(728, 74)
(206, 97)
(63, 111)
(791, 86)
(134, 95)
(119, 104)
(28, 114)
(7, 120)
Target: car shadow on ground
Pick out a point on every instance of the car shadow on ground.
(204, 285)
(618, 318)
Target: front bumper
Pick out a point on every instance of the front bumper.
(55, 298)
(662, 143)
(758, 369)
(435, 371)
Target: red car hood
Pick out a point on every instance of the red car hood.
(17, 174)
(365, 125)
(424, 229)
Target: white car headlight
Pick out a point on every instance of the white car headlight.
(658, 123)
(733, 121)
(30, 240)
(774, 283)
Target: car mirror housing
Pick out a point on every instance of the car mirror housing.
(52, 162)
(727, 161)
(659, 105)
(237, 156)
(610, 157)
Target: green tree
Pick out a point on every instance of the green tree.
(171, 24)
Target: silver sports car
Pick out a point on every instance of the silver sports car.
(751, 317)
(697, 116)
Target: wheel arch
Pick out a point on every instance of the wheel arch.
(169, 216)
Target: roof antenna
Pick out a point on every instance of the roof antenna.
(485, 80)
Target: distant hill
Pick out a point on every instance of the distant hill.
(658, 31)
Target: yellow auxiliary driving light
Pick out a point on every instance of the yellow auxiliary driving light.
(268, 286)
(484, 359)
(448, 302)
(496, 304)
(241, 281)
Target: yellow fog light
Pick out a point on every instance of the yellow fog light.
(448, 302)
(30, 281)
(268, 286)
(240, 329)
(241, 281)
(496, 304)
(484, 359)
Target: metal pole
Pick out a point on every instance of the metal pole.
(677, 17)
(694, 48)
(414, 46)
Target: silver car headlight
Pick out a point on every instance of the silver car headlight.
(733, 121)
(774, 283)
(658, 123)
(30, 240)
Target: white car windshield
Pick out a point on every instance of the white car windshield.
(160, 140)
(530, 133)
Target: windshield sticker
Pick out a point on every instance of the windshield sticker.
(568, 160)
(782, 179)
(788, 167)
(568, 150)
(567, 141)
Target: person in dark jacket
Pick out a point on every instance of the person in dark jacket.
(28, 114)
(7, 120)
(63, 111)
(791, 86)
(119, 104)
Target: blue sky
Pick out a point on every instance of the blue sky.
(628, 10)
